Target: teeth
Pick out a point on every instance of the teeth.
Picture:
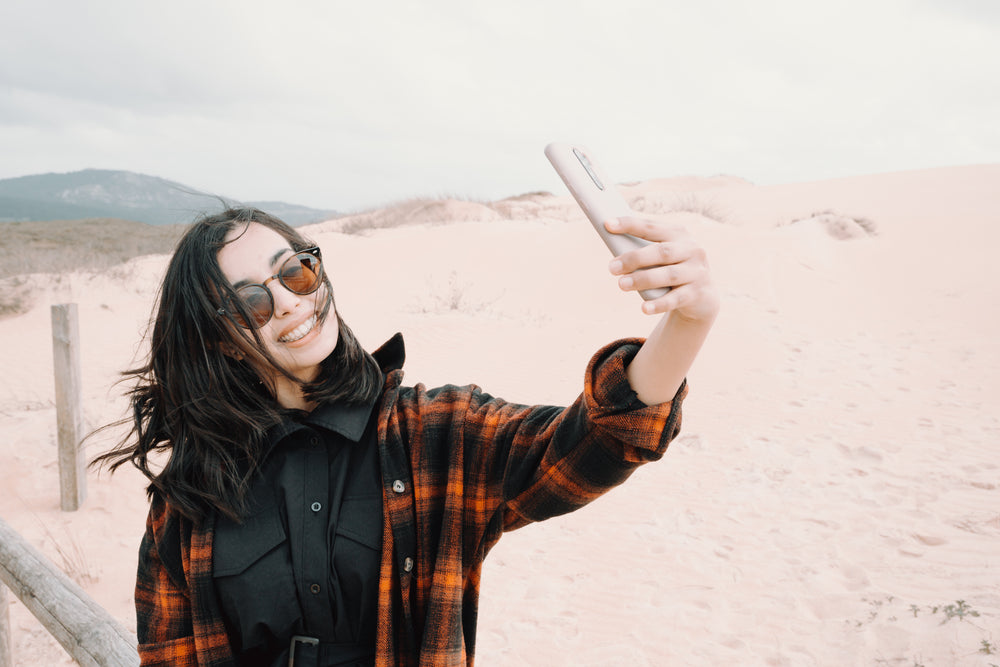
(299, 331)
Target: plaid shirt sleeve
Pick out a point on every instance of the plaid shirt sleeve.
(534, 462)
(177, 621)
(589, 447)
(162, 604)
(551, 461)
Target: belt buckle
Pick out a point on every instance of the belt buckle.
(299, 639)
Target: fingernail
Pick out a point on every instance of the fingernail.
(625, 282)
(613, 223)
(615, 266)
(648, 308)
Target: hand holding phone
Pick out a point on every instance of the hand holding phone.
(599, 199)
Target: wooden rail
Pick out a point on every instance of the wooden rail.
(85, 629)
(88, 633)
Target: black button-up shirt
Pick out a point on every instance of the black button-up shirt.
(306, 561)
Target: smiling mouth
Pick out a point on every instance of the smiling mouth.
(299, 332)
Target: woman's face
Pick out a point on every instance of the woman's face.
(293, 335)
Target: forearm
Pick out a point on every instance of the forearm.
(660, 366)
(672, 259)
(591, 446)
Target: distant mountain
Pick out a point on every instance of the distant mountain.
(103, 193)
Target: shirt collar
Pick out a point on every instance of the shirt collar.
(349, 420)
(391, 354)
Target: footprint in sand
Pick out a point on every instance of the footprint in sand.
(833, 606)
(855, 578)
(690, 441)
(862, 452)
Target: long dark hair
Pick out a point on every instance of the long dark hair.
(207, 410)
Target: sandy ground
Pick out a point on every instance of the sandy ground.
(834, 498)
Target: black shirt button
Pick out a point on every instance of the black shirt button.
(314, 589)
(314, 441)
(315, 507)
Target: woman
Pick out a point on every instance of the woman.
(307, 508)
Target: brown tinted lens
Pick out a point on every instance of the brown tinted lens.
(301, 273)
(257, 301)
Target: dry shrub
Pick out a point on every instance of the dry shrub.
(685, 202)
(839, 226)
(418, 212)
(535, 196)
(455, 296)
(16, 296)
(74, 559)
(95, 244)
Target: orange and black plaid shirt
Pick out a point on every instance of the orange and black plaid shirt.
(459, 467)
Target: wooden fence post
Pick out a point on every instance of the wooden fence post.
(6, 648)
(66, 357)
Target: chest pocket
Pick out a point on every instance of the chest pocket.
(355, 561)
(252, 569)
(359, 522)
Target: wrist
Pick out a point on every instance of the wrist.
(701, 313)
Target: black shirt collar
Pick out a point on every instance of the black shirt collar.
(349, 420)
(346, 419)
(391, 354)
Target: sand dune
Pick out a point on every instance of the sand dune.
(835, 493)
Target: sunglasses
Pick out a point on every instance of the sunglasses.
(302, 273)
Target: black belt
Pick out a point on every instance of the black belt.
(311, 652)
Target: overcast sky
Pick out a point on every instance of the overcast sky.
(347, 105)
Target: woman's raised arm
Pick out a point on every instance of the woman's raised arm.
(673, 259)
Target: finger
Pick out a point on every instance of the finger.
(678, 297)
(644, 228)
(655, 254)
(674, 275)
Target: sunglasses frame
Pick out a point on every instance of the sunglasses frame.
(234, 313)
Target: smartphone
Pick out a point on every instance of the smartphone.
(598, 197)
